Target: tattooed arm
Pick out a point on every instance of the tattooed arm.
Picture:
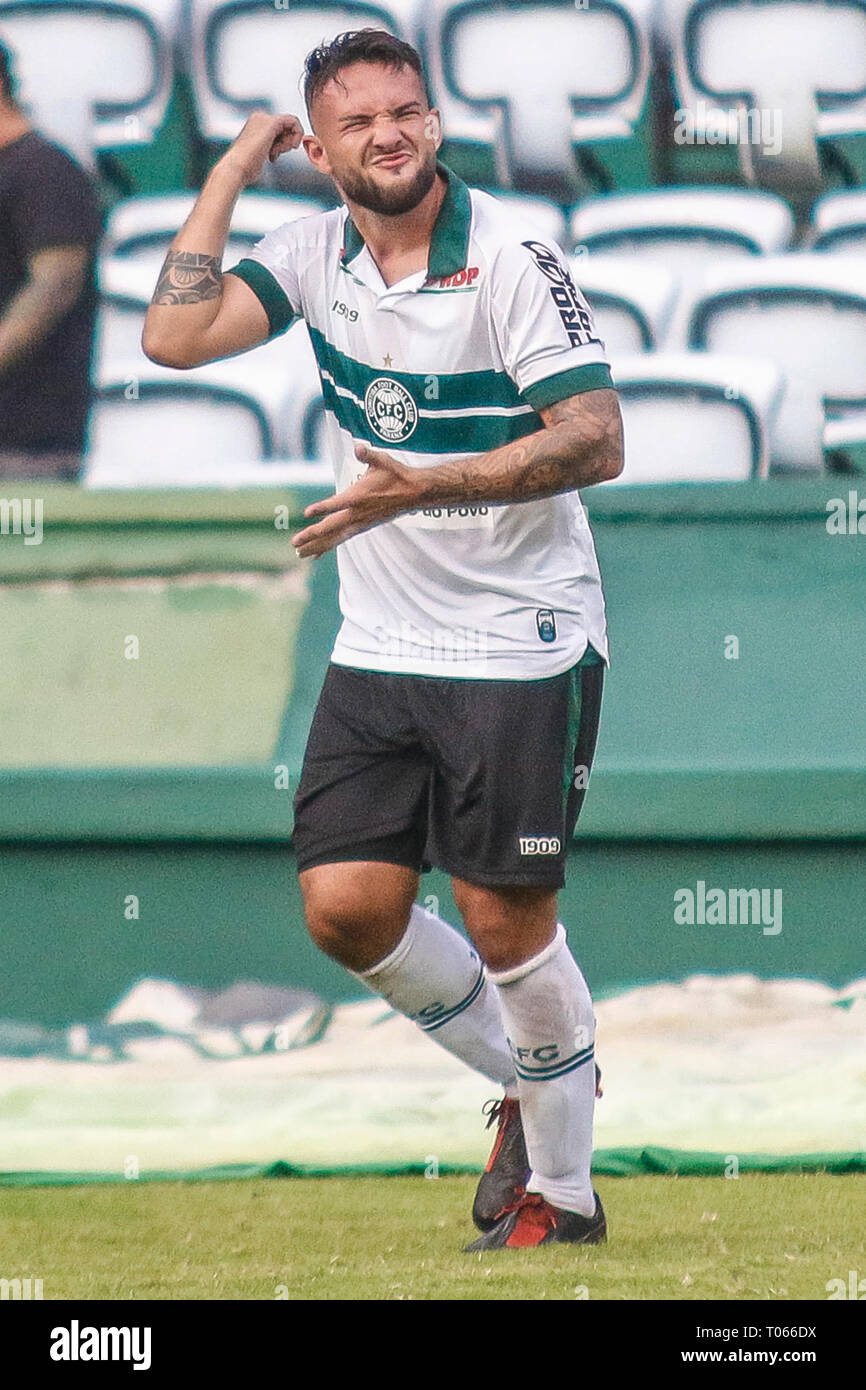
(195, 315)
(581, 444)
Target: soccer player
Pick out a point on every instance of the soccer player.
(467, 398)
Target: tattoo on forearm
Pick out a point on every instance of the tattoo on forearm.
(188, 277)
(581, 445)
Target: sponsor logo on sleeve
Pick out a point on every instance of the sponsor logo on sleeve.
(572, 307)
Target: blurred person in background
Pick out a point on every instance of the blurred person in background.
(50, 225)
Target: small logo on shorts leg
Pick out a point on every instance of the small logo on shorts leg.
(540, 844)
(390, 410)
(546, 624)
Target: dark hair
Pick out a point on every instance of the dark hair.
(7, 75)
(358, 46)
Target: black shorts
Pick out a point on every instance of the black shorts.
(481, 778)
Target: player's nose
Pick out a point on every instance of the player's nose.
(388, 135)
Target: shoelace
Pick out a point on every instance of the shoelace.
(534, 1215)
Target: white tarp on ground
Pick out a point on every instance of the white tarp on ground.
(732, 1065)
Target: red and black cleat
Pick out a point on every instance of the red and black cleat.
(507, 1173)
(504, 1180)
(533, 1221)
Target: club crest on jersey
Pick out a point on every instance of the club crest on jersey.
(390, 410)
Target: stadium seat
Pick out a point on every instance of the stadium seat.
(684, 230)
(529, 82)
(279, 378)
(693, 417)
(125, 290)
(548, 216)
(750, 72)
(805, 312)
(93, 73)
(248, 54)
(679, 226)
(139, 231)
(633, 303)
(156, 425)
(845, 443)
(839, 223)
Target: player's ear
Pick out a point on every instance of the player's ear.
(433, 126)
(316, 153)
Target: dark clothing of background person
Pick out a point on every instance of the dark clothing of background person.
(46, 200)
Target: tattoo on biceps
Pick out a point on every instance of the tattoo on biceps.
(188, 277)
(594, 413)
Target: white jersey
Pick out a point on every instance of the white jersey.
(448, 363)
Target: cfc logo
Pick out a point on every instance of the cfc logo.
(573, 309)
(390, 410)
(539, 844)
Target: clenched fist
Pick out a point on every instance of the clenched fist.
(263, 137)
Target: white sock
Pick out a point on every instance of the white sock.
(436, 978)
(547, 1010)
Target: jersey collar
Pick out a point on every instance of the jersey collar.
(449, 240)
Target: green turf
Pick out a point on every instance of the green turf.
(759, 1236)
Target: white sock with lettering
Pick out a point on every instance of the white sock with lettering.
(547, 1009)
(436, 978)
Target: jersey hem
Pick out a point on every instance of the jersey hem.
(366, 662)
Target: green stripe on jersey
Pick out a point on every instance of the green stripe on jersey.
(594, 376)
(434, 433)
(274, 299)
(430, 390)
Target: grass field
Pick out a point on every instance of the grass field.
(760, 1236)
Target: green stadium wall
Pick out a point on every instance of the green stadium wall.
(167, 776)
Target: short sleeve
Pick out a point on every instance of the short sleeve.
(55, 204)
(544, 326)
(271, 272)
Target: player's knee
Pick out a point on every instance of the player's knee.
(507, 925)
(334, 922)
(348, 922)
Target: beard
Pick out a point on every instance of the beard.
(389, 202)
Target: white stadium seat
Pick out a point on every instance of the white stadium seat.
(684, 230)
(846, 437)
(155, 426)
(530, 81)
(249, 54)
(692, 417)
(806, 312)
(547, 216)
(278, 380)
(140, 230)
(839, 223)
(124, 293)
(221, 424)
(93, 74)
(773, 78)
(633, 303)
(679, 225)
